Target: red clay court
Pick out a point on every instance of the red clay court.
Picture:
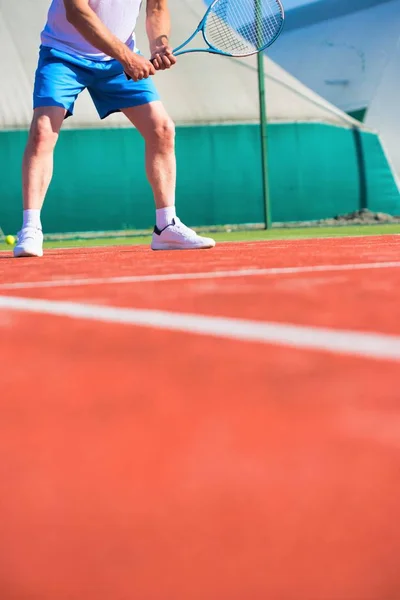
(213, 425)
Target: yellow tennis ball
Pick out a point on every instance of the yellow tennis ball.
(10, 240)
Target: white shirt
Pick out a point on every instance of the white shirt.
(119, 16)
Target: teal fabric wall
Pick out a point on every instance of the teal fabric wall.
(100, 184)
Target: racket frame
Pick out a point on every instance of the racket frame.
(212, 49)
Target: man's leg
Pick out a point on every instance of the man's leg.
(37, 167)
(37, 171)
(158, 131)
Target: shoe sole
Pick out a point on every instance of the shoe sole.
(162, 246)
(25, 254)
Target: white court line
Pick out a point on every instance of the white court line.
(189, 276)
(371, 345)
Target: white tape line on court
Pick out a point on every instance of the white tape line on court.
(371, 345)
(188, 276)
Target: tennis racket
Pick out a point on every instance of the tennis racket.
(237, 28)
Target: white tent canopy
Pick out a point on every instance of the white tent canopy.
(343, 55)
(201, 89)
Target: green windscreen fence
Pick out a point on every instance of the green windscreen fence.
(316, 171)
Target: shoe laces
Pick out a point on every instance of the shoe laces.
(28, 233)
(183, 228)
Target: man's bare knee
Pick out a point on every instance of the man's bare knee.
(163, 133)
(42, 137)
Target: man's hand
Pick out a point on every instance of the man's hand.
(161, 54)
(137, 67)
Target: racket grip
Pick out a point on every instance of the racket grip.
(129, 77)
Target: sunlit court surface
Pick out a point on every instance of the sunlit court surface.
(200, 300)
(219, 425)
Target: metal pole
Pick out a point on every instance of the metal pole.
(263, 119)
(362, 171)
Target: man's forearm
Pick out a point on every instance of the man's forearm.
(158, 25)
(96, 33)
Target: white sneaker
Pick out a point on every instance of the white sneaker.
(30, 242)
(179, 237)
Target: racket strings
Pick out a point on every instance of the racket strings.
(242, 27)
(223, 38)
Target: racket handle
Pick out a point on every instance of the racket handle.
(129, 77)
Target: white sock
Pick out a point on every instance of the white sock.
(165, 216)
(31, 218)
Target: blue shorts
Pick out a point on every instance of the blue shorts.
(61, 77)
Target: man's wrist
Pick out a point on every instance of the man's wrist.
(124, 54)
(159, 42)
